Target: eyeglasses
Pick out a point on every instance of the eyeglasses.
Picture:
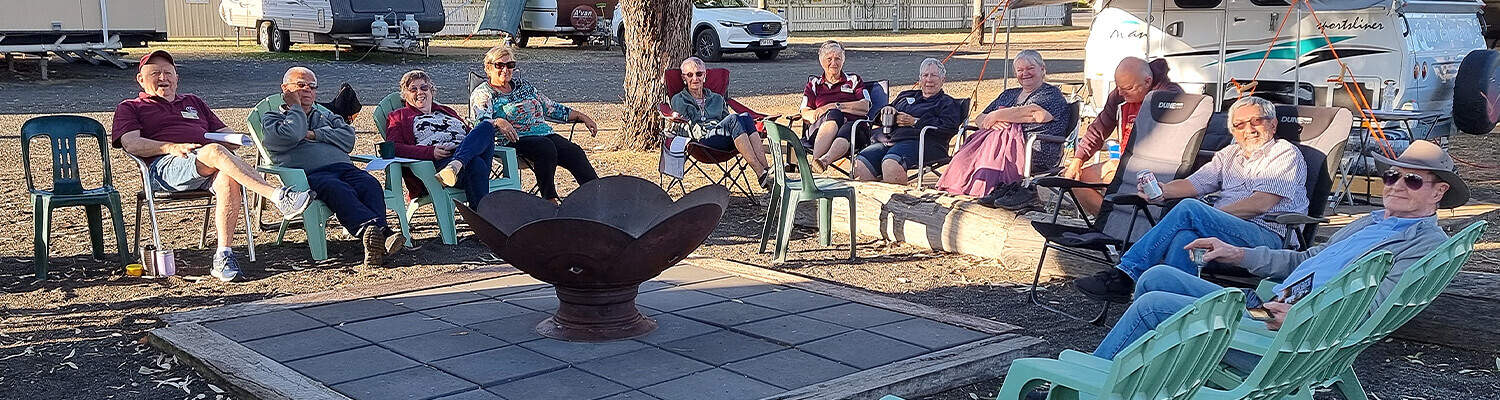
(692, 74)
(304, 85)
(504, 65)
(1412, 181)
(1256, 120)
(419, 88)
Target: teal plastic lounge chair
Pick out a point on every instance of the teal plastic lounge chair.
(1418, 286)
(1310, 336)
(425, 170)
(67, 185)
(787, 193)
(315, 218)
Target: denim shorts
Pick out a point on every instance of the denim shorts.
(177, 174)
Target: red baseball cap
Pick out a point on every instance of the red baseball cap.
(155, 54)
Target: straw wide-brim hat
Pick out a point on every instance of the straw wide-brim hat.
(1426, 155)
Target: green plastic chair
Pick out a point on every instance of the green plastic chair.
(787, 193)
(1170, 362)
(1309, 338)
(67, 188)
(1419, 285)
(315, 218)
(436, 193)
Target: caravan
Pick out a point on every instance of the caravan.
(1403, 54)
(391, 24)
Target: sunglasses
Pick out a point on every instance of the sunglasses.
(1412, 181)
(692, 74)
(504, 65)
(301, 85)
(1256, 120)
(419, 88)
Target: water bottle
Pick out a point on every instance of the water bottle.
(380, 29)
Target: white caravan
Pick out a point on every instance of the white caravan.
(1404, 54)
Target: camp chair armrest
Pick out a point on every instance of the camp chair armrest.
(1060, 373)
(1123, 199)
(1290, 218)
(293, 178)
(1251, 341)
(1050, 138)
(741, 108)
(1060, 182)
(1084, 359)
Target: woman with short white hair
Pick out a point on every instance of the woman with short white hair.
(829, 101)
(895, 150)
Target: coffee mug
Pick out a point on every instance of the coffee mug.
(888, 118)
(387, 150)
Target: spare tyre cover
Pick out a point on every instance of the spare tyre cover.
(1476, 93)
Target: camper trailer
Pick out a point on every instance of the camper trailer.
(581, 21)
(386, 24)
(80, 30)
(1403, 54)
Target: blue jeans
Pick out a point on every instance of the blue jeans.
(1191, 220)
(476, 152)
(356, 198)
(1162, 291)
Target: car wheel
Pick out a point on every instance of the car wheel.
(706, 45)
(767, 54)
(523, 41)
(1476, 93)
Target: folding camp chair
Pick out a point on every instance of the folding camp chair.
(923, 164)
(1166, 138)
(879, 98)
(158, 202)
(733, 175)
(476, 79)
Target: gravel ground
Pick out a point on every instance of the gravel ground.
(80, 333)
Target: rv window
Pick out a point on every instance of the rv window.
(1270, 2)
(1197, 3)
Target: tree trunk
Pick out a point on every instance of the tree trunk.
(656, 38)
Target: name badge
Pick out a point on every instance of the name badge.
(846, 88)
(190, 114)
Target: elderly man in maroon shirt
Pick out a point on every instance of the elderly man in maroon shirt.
(1134, 78)
(167, 129)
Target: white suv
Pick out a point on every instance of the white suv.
(728, 26)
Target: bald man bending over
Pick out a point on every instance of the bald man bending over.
(302, 136)
(1134, 78)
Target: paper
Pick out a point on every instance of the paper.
(378, 163)
(231, 138)
(674, 157)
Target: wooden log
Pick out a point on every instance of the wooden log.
(1464, 316)
(956, 224)
(245, 373)
(926, 374)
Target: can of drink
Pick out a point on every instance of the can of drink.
(1149, 186)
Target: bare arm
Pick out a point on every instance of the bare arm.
(1178, 189)
(1027, 114)
(861, 107)
(1250, 207)
(141, 147)
(575, 115)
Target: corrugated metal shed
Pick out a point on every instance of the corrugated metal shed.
(197, 19)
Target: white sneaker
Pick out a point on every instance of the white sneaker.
(292, 203)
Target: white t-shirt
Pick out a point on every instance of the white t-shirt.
(438, 128)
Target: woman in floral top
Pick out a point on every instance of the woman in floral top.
(520, 114)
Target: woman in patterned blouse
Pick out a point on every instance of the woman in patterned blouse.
(520, 114)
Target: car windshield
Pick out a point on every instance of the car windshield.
(718, 3)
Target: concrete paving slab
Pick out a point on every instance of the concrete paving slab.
(426, 300)
(927, 333)
(794, 300)
(730, 313)
(862, 349)
(476, 394)
(733, 287)
(517, 329)
(499, 365)
(721, 347)
(418, 383)
(543, 300)
(631, 396)
(442, 344)
(476, 312)
(858, 316)
(569, 383)
(684, 274)
(304, 344)
(671, 327)
(790, 369)
(577, 352)
(395, 326)
(353, 311)
(349, 365)
(258, 326)
(792, 330)
(674, 299)
(512, 284)
(644, 367)
(712, 384)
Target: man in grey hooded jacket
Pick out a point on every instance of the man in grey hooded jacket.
(305, 137)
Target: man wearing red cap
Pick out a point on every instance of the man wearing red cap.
(166, 128)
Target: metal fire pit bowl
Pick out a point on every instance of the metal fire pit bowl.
(597, 247)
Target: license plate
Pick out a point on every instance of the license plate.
(767, 42)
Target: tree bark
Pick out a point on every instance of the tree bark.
(656, 38)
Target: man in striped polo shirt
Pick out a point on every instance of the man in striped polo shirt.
(1256, 175)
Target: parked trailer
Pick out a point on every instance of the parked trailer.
(581, 21)
(404, 25)
(90, 31)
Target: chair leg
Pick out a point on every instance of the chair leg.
(95, 216)
(825, 222)
(249, 228)
(136, 248)
(447, 227)
(208, 216)
(771, 216)
(1348, 384)
(315, 222)
(784, 224)
(41, 218)
(853, 229)
(1036, 280)
(119, 225)
(404, 212)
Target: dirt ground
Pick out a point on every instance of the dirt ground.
(79, 334)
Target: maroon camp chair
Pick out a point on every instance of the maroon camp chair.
(732, 169)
